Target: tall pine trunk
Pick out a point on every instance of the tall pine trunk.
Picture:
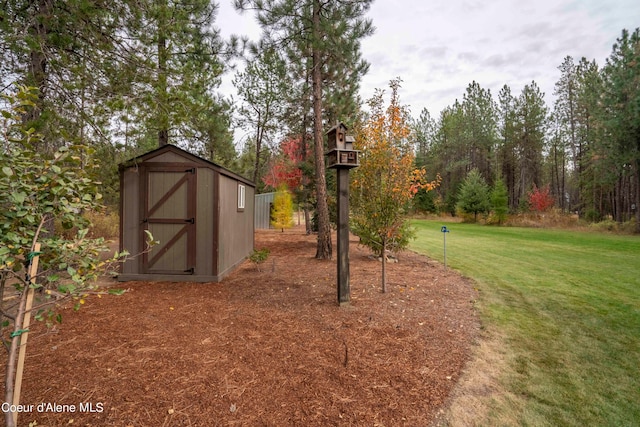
(37, 59)
(303, 156)
(563, 202)
(618, 199)
(323, 250)
(259, 136)
(162, 98)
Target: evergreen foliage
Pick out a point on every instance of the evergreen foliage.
(139, 73)
(261, 86)
(585, 148)
(499, 201)
(321, 41)
(38, 190)
(621, 121)
(126, 76)
(473, 196)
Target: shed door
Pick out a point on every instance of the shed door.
(168, 212)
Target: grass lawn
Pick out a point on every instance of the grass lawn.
(568, 306)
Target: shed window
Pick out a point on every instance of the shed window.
(240, 197)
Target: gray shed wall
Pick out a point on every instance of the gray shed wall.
(262, 216)
(236, 232)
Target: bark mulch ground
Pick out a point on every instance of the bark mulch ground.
(266, 347)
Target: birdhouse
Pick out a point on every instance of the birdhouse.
(336, 137)
(340, 148)
(349, 140)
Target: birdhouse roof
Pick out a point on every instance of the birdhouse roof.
(336, 127)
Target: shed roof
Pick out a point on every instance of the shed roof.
(192, 157)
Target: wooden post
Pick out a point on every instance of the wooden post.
(342, 157)
(344, 291)
(33, 271)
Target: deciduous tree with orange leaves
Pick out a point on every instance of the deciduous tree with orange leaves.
(387, 179)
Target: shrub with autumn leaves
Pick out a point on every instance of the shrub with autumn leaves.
(282, 213)
(387, 180)
(540, 199)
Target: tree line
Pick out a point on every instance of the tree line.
(121, 76)
(127, 76)
(585, 147)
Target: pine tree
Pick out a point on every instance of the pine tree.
(65, 50)
(449, 153)
(209, 134)
(507, 153)
(480, 128)
(473, 196)
(261, 86)
(622, 121)
(530, 128)
(594, 179)
(174, 64)
(557, 159)
(500, 201)
(423, 131)
(108, 74)
(326, 37)
(566, 132)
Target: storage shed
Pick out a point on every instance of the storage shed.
(201, 214)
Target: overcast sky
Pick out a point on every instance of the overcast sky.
(438, 47)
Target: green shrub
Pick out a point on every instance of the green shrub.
(259, 256)
(592, 215)
(425, 201)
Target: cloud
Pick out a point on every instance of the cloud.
(500, 60)
(439, 47)
(468, 56)
(381, 59)
(536, 30)
(433, 52)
